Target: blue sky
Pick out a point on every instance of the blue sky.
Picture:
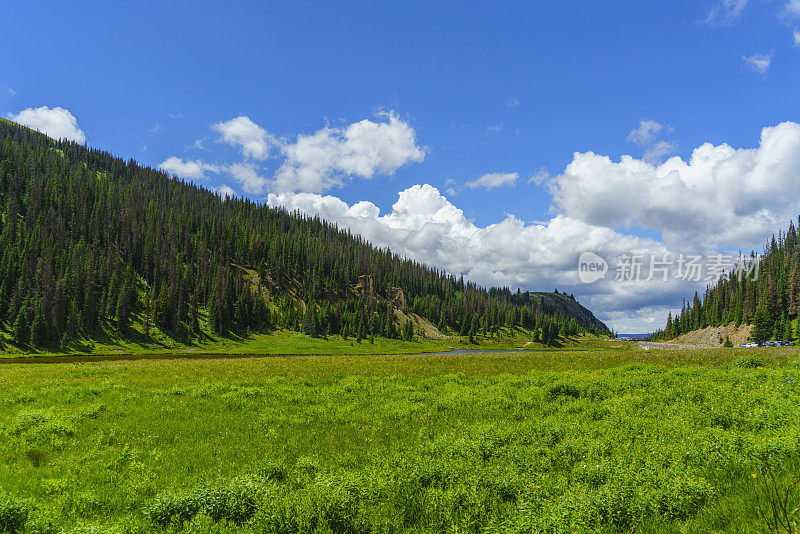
(481, 88)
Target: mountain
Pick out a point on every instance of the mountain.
(552, 303)
(91, 244)
(765, 294)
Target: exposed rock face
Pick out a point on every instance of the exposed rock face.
(397, 298)
(364, 287)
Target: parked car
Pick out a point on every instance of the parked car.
(786, 344)
(749, 345)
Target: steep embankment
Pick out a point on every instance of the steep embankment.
(711, 335)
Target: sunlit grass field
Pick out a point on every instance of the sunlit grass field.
(614, 440)
(286, 342)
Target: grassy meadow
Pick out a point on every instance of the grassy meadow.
(614, 440)
(287, 342)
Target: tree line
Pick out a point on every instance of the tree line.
(765, 294)
(91, 242)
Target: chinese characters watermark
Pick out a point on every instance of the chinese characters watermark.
(663, 267)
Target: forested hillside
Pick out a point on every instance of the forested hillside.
(768, 297)
(90, 243)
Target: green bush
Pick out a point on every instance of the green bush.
(325, 506)
(749, 362)
(236, 502)
(26, 421)
(13, 514)
(275, 471)
(562, 389)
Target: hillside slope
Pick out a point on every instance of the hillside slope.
(765, 294)
(714, 336)
(92, 245)
(558, 302)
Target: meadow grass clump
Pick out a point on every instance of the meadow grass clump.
(275, 471)
(325, 506)
(13, 514)
(25, 421)
(235, 502)
(749, 362)
(562, 389)
(40, 426)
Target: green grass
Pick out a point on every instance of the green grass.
(597, 441)
(286, 342)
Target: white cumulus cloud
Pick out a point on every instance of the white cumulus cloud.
(225, 191)
(659, 150)
(254, 140)
(426, 226)
(187, 169)
(322, 160)
(493, 179)
(720, 197)
(57, 122)
(249, 176)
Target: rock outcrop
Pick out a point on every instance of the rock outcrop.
(397, 298)
(364, 287)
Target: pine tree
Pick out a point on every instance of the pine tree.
(788, 331)
(74, 321)
(4, 297)
(39, 330)
(20, 331)
(408, 331)
(308, 321)
(762, 325)
(123, 308)
(213, 316)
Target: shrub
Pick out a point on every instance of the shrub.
(236, 502)
(25, 421)
(432, 475)
(506, 486)
(13, 514)
(562, 389)
(722, 420)
(749, 362)
(683, 498)
(277, 472)
(322, 507)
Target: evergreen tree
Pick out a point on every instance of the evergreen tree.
(74, 321)
(21, 333)
(309, 326)
(762, 325)
(39, 330)
(408, 331)
(124, 305)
